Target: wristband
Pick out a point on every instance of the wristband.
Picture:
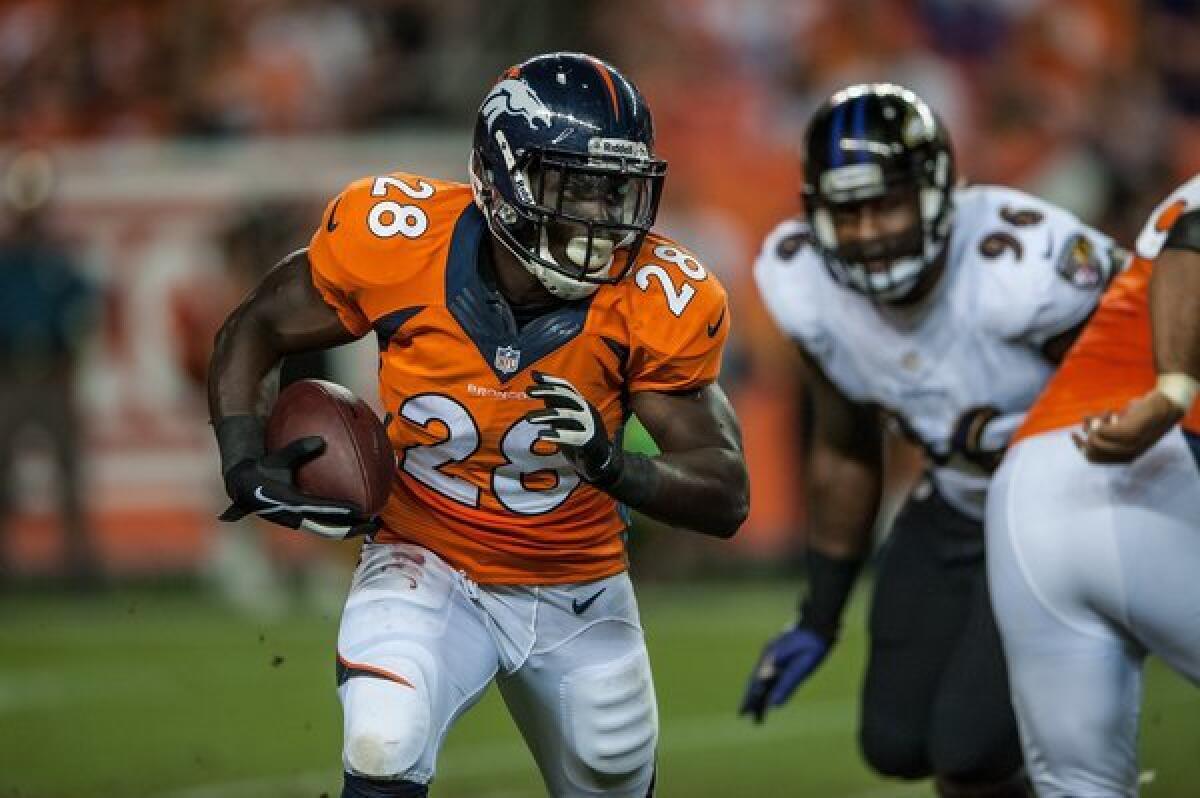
(830, 581)
(607, 473)
(636, 484)
(1178, 387)
(240, 438)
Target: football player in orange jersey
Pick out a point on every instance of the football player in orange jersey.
(520, 320)
(1093, 562)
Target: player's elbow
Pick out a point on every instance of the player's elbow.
(735, 499)
(733, 519)
(246, 329)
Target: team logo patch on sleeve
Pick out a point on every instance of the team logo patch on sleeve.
(1080, 264)
(789, 245)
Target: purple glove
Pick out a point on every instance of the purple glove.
(786, 661)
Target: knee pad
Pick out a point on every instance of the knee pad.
(611, 723)
(387, 722)
(362, 787)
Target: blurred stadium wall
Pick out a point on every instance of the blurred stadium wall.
(157, 225)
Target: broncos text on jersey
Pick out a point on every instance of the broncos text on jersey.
(399, 255)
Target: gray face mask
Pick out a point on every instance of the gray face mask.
(908, 255)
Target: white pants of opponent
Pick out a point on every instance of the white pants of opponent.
(420, 642)
(1092, 567)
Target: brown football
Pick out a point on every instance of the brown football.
(358, 462)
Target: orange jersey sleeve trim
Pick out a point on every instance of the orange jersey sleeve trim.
(352, 318)
(1166, 220)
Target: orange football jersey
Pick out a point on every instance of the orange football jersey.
(1112, 363)
(398, 255)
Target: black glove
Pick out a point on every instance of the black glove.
(264, 484)
(575, 425)
(966, 439)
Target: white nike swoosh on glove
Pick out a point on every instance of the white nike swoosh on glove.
(325, 530)
(295, 508)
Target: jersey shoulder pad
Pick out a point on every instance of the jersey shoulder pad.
(792, 282)
(791, 239)
(984, 209)
(383, 230)
(378, 242)
(1182, 201)
(1038, 270)
(678, 319)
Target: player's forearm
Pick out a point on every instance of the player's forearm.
(843, 501)
(283, 315)
(1175, 312)
(705, 490)
(244, 353)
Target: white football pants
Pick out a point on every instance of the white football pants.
(1091, 567)
(420, 642)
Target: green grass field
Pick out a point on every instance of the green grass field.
(169, 695)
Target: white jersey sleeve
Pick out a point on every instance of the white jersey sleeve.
(1046, 270)
(1184, 199)
(789, 301)
(797, 292)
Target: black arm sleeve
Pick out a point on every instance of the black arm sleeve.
(239, 438)
(830, 581)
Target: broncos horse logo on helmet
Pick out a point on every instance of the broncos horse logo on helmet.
(563, 169)
(515, 97)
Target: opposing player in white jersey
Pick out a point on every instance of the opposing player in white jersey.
(944, 309)
(1093, 557)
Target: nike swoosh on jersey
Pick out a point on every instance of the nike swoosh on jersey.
(582, 607)
(712, 328)
(331, 225)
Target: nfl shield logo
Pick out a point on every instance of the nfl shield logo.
(508, 359)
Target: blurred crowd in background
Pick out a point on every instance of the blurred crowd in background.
(1098, 99)
(1094, 104)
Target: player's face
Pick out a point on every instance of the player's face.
(606, 199)
(874, 232)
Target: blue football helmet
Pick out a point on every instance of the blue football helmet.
(564, 171)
